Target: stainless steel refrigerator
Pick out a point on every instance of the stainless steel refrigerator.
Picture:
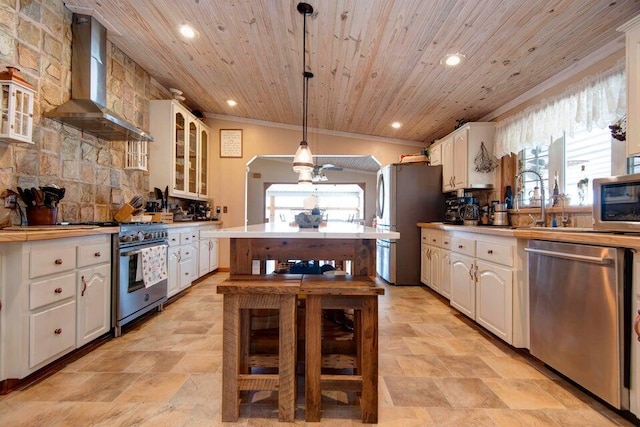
(406, 194)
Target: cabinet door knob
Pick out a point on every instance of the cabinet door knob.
(58, 331)
(636, 325)
(97, 254)
(490, 251)
(84, 286)
(58, 290)
(460, 246)
(58, 261)
(446, 243)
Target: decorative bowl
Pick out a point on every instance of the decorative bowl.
(305, 220)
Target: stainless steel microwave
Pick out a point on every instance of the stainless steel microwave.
(616, 203)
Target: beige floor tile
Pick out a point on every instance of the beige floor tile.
(205, 389)
(520, 418)
(418, 392)
(112, 361)
(100, 387)
(153, 387)
(509, 367)
(580, 418)
(397, 329)
(431, 330)
(428, 346)
(156, 361)
(199, 363)
(457, 417)
(468, 393)
(467, 367)
(522, 394)
(422, 366)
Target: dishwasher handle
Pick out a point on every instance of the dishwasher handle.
(575, 257)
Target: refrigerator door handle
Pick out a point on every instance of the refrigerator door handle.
(381, 195)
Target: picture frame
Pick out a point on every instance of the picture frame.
(230, 143)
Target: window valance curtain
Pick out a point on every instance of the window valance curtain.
(598, 100)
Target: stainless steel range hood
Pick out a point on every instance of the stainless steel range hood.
(87, 108)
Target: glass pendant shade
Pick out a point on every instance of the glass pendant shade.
(303, 160)
(305, 178)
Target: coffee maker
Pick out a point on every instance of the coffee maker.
(461, 208)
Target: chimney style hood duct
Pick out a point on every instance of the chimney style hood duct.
(87, 108)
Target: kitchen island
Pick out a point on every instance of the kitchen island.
(281, 242)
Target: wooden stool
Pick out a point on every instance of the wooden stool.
(342, 292)
(240, 297)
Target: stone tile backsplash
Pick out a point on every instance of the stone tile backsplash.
(35, 36)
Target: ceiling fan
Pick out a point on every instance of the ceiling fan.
(318, 172)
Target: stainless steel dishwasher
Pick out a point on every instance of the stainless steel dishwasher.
(579, 300)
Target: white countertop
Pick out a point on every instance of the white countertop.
(332, 230)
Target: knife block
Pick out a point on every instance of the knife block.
(42, 215)
(124, 213)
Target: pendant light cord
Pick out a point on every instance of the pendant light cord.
(305, 79)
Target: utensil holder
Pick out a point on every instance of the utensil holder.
(124, 213)
(42, 215)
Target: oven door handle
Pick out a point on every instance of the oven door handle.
(137, 251)
(576, 257)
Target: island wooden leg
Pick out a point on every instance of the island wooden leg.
(369, 360)
(287, 359)
(230, 360)
(313, 358)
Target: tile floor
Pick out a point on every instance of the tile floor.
(436, 368)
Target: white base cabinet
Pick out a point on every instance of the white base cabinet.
(183, 258)
(56, 297)
(432, 273)
(482, 274)
(208, 253)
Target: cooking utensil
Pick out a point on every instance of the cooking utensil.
(159, 195)
(166, 198)
(136, 201)
(37, 196)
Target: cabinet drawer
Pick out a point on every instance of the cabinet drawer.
(52, 332)
(495, 252)
(435, 238)
(463, 246)
(51, 290)
(446, 241)
(187, 252)
(186, 237)
(95, 253)
(51, 260)
(173, 238)
(424, 235)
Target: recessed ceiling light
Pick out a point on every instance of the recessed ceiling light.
(452, 59)
(187, 31)
(396, 125)
(231, 103)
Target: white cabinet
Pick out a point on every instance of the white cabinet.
(57, 297)
(179, 155)
(632, 35)
(94, 316)
(208, 252)
(431, 260)
(435, 154)
(482, 281)
(459, 151)
(183, 258)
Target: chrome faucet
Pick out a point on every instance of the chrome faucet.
(543, 210)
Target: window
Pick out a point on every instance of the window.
(339, 202)
(586, 154)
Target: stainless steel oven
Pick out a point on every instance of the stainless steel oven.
(131, 296)
(616, 203)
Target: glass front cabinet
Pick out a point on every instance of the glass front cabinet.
(181, 140)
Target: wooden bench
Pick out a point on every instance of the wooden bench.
(239, 297)
(360, 294)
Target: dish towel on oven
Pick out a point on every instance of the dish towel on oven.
(154, 264)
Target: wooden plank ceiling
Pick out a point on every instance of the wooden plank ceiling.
(375, 61)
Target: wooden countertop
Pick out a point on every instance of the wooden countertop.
(585, 235)
(31, 233)
(332, 230)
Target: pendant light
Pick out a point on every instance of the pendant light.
(303, 160)
(305, 178)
